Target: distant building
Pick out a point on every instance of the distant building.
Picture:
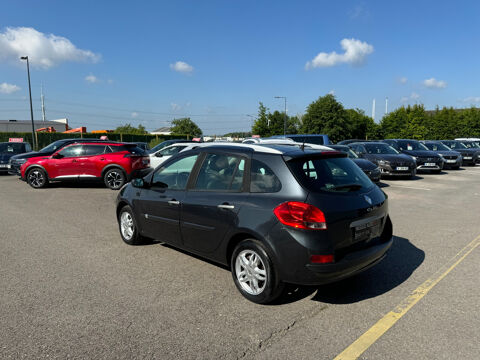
(162, 131)
(59, 125)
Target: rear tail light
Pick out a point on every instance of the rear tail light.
(300, 216)
(322, 259)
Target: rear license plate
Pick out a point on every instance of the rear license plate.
(3, 166)
(430, 164)
(451, 161)
(402, 168)
(367, 231)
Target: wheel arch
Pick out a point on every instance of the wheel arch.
(36, 166)
(239, 237)
(114, 166)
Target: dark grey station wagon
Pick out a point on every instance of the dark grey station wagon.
(274, 214)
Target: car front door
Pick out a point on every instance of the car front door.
(65, 163)
(160, 203)
(211, 205)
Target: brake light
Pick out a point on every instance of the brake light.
(300, 215)
(322, 259)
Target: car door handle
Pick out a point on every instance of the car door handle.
(102, 158)
(226, 206)
(74, 160)
(173, 202)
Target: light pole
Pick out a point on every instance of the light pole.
(253, 120)
(31, 107)
(285, 114)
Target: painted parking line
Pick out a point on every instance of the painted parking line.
(410, 187)
(359, 346)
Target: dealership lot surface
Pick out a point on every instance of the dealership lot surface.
(71, 288)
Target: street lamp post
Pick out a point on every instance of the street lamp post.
(285, 114)
(31, 107)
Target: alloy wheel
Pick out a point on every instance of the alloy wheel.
(126, 225)
(114, 179)
(251, 272)
(36, 178)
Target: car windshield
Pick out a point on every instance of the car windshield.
(53, 146)
(411, 145)
(380, 149)
(329, 174)
(11, 148)
(437, 146)
(456, 145)
(471, 144)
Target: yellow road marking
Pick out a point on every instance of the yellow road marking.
(359, 346)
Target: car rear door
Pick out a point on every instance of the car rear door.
(160, 204)
(212, 203)
(93, 160)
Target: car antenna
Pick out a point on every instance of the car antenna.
(303, 144)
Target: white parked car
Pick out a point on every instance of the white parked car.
(161, 155)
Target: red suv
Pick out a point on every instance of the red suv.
(113, 162)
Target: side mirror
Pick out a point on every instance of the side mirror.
(57, 156)
(158, 155)
(138, 183)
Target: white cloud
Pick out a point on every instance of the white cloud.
(355, 53)
(182, 67)
(434, 83)
(175, 107)
(43, 50)
(8, 88)
(359, 12)
(414, 96)
(403, 80)
(92, 79)
(472, 99)
(110, 81)
(134, 114)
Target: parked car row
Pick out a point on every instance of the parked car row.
(276, 211)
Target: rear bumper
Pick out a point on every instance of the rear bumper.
(352, 263)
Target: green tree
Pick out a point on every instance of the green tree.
(185, 126)
(260, 127)
(129, 129)
(406, 122)
(327, 116)
(268, 124)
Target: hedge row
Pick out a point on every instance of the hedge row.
(44, 139)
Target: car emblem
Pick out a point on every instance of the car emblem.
(367, 199)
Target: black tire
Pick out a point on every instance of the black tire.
(114, 178)
(268, 289)
(37, 178)
(133, 238)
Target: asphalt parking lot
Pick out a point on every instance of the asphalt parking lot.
(70, 288)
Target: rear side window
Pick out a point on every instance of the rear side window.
(263, 179)
(94, 149)
(329, 174)
(221, 172)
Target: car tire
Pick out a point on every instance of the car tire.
(128, 227)
(37, 178)
(114, 178)
(254, 273)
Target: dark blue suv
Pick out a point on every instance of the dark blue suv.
(275, 214)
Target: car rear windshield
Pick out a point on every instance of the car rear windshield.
(12, 148)
(380, 149)
(329, 174)
(318, 140)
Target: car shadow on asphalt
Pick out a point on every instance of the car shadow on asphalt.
(77, 184)
(400, 263)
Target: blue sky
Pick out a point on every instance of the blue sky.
(120, 67)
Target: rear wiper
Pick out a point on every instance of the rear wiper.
(352, 187)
